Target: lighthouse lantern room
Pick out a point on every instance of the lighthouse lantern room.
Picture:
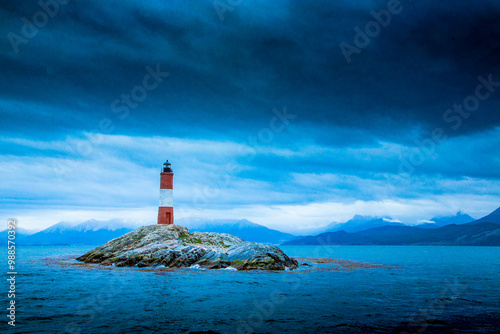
(166, 207)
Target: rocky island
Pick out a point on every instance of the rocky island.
(174, 246)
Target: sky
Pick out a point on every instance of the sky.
(292, 114)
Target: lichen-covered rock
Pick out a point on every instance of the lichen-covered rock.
(252, 255)
(174, 246)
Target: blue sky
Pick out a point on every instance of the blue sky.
(258, 109)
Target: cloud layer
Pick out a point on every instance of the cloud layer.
(260, 112)
(285, 189)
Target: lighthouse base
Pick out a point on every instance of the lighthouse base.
(166, 215)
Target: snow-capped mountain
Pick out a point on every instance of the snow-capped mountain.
(90, 232)
(21, 234)
(360, 223)
(110, 225)
(96, 232)
(59, 227)
(481, 232)
(459, 218)
(242, 228)
(493, 217)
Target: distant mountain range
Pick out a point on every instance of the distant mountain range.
(493, 217)
(460, 229)
(243, 228)
(459, 218)
(481, 232)
(360, 223)
(96, 232)
(20, 235)
(90, 232)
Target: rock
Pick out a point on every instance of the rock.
(252, 255)
(174, 246)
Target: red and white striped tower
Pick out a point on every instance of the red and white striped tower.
(166, 208)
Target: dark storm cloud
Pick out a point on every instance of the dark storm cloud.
(227, 75)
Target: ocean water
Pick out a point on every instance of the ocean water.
(433, 290)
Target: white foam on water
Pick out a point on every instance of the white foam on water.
(229, 268)
(197, 267)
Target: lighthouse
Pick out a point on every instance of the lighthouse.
(166, 208)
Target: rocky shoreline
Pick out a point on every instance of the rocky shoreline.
(173, 246)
